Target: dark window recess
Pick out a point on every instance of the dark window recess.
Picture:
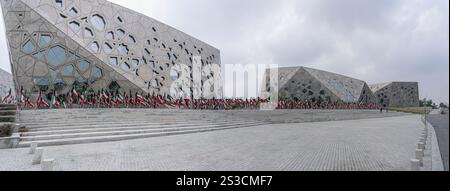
(113, 86)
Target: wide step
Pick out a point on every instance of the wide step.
(120, 132)
(110, 138)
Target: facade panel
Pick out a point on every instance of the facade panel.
(397, 94)
(94, 45)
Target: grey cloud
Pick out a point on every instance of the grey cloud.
(377, 41)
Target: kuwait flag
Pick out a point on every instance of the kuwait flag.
(7, 97)
(119, 99)
(55, 102)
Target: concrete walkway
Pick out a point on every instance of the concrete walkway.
(441, 127)
(384, 144)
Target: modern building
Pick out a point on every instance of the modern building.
(307, 83)
(397, 94)
(93, 45)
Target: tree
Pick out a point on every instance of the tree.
(442, 105)
(426, 103)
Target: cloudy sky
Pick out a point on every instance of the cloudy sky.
(373, 40)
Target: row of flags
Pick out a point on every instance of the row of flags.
(106, 99)
(310, 104)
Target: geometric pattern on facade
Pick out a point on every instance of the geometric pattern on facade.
(307, 83)
(58, 44)
(397, 94)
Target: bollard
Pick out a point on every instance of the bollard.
(425, 137)
(38, 156)
(33, 147)
(419, 156)
(47, 164)
(422, 140)
(424, 134)
(415, 165)
(421, 145)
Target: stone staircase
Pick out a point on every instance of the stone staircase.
(8, 136)
(77, 126)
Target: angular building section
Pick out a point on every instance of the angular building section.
(6, 84)
(311, 84)
(93, 45)
(397, 94)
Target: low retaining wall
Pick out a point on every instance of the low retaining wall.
(10, 142)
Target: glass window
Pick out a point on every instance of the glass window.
(98, 22)
(125, 66)
(73, 56)
(134, 63)
(113, 86)
(74, 25)
(107, 48)
(40, 56)
(41, 83)
(59, 3)
(83, 65)
(88, 32)
(44, 40)
(28, 47)
(56, 56)
(131, 39)
(173, 75)
(113, 61)
(68, 70)
(79, 79)
(94, 46)
(53, 74)
(123, 49)
(120, 33)
(110, 35)
(73, 12)
(59, 85)
(154, 83)
(96, 74)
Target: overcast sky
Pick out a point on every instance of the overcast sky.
(373, 40)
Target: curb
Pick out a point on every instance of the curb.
(433, 153)
(436, 158)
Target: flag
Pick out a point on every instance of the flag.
(7, 97)
(54, 103)
(40, 101)
(119, 99)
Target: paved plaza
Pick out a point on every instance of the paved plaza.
(375, 144)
